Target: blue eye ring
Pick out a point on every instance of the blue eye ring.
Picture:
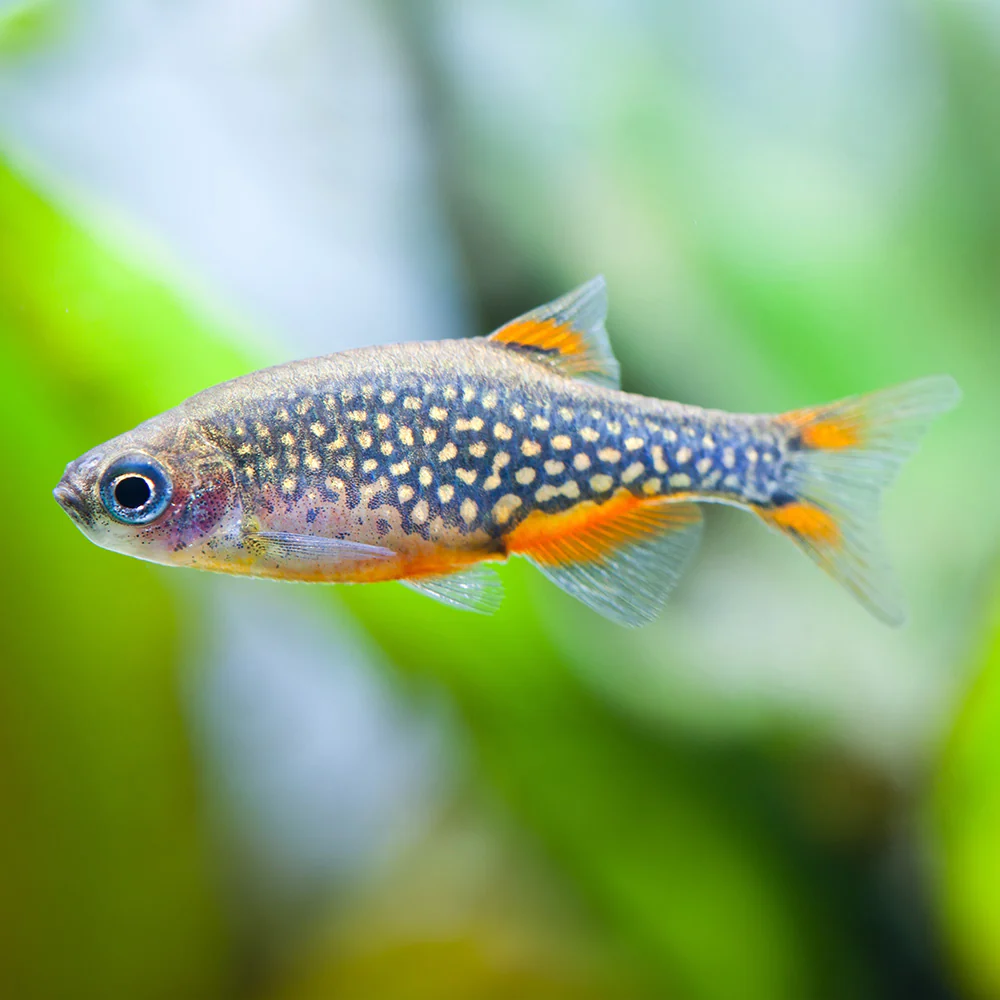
(135, 489)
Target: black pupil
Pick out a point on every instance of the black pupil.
(131, 492)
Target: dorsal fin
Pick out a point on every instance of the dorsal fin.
(567, 335)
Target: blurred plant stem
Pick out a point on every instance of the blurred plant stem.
(965, 825)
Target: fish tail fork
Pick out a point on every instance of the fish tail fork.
(842, 457)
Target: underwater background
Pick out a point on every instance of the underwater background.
(221, 788)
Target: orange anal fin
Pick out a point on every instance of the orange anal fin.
(622, 558)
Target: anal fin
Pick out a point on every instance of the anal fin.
(475, 589)
(622, 558)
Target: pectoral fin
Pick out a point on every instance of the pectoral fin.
(621, 558)
(283, 546)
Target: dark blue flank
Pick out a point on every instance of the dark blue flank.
(290, 443)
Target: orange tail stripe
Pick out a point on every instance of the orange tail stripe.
(832, 434)
(824, 428)
(807, 521)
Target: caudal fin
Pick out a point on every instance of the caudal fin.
(843, 457)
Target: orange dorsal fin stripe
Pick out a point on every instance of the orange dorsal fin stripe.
(567, 335)
(546, 335)
(622, 558)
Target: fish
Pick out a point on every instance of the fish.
(429, 462)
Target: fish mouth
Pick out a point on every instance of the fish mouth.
(69, 498)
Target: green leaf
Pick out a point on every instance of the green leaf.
(27, 25)
(106, 886)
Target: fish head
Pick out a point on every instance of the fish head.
(165, 492)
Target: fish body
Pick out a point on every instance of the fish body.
(424, 462)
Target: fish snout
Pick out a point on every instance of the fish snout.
(69, 498)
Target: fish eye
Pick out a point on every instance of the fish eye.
(135, 489)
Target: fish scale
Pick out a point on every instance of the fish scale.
(425, 462)
(443, 446)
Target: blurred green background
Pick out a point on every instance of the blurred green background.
(213, 788)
